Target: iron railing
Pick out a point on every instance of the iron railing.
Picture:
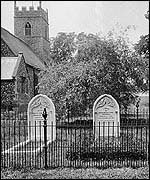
(78, 142)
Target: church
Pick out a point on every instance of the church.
(24, 55)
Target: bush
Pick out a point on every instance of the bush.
(122, 148)
(103, 153)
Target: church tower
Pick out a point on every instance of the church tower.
(32, 27)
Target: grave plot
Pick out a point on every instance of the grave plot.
(35, 140)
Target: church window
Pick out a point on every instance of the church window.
(26, 86)
(23, 84)
(46, 32)
(27, 29)
(35, 84)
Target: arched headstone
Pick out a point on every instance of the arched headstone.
(35, 118)
(106, 117)
(35, 125)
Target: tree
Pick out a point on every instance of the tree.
(142, 48)
(147, 15)
(62, 47)
(101, 65)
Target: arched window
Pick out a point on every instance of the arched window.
(46, 36)
(27, 29)
(35, 84)
(23, 84)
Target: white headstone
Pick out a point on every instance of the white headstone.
(36, 120)
(106, 115)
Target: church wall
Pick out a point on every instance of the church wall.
(32, 72)
(5, 50)
(22, 97)
(27, 72)
(7, 94)
(38, 41)
(24, 70)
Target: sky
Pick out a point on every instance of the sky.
(85, 16)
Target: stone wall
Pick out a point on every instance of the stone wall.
(5, 50)
(11, 91)
(28, 73)
(7, 94)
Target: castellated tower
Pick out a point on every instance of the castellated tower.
(32, 27)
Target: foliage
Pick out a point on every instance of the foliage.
(107, 154)
(147, 15)
(86, 66)
(142, 48)
(62, 47)
(127, 146)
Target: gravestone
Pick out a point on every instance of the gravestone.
(35, 141)
(36, 120)
(106, 117)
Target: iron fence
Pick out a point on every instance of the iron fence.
(78, 142)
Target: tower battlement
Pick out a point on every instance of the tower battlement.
(31, 12)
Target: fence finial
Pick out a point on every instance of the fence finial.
(44, 114)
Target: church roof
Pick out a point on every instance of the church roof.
(8, 67)
(17, 45)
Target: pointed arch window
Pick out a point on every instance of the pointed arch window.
(23, 84)
(46, 36)
(28, 29)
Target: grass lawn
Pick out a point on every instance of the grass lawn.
(70, 173)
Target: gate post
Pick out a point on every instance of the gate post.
(45, 135)
(68, 109)
(148, 154)
(137, 109)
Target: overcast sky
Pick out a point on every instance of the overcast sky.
(85, 16)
